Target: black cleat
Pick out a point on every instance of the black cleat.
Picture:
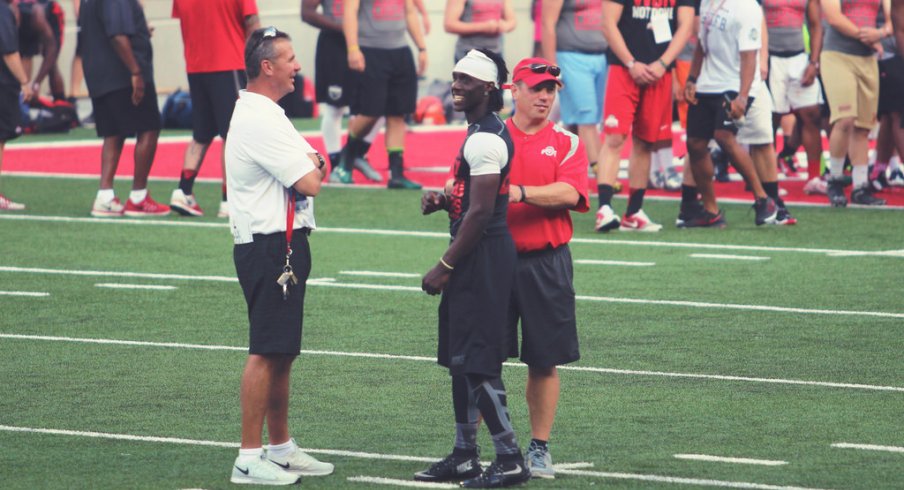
(766, 211)
(783, 217)
(864, 196)
(499, 475)
(835, 191)
(451, 468)
(705, 219)
(687, 212)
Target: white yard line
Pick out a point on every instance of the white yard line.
(395, 457)
(379, 480)
(330, 282)
(614, 262)
(153, 287)
(379, 274)
(868, 447)
(29, 294)
(723, 459)
(370, 355)
(728, 257)
(445, 236)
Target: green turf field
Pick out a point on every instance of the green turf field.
(775, 359)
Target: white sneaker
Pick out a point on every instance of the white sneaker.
(639, 221)
(7, 205)
(816, 186)
(261, 472)
(606, 219)
(110, 208)
(673, 180)
(185, 205)
(224, 210)
(301, 463)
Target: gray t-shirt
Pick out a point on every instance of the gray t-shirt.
(786, 40)
(9, 43)
(580, 27)
(862, 13)
(332, 9)
(100, 20)
(479, 11)
(381, 24)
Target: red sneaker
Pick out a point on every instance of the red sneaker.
(148, 207)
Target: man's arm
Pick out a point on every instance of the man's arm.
(690, 87)
(748, 70)
(508, 17)
(549, 17)
(897, 20)
(310, 15)
(453, 24)
(252, 23)
(350, 30)
(14, 63)
(814, 26)
(679, 39)
(123, 48)
(309, 183)
(833, 15)
(482, 204)
(557, 195)
(764, 51)
(414, 30)
(425, 16)
(48, 42)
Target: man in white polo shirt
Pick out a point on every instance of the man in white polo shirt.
(272, 175)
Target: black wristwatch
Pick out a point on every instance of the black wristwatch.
(321, 160)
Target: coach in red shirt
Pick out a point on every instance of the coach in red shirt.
(548, 181)
(215, 77)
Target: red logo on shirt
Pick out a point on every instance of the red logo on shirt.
(656, 4)
(483, 10)
(338, 8)
(389, 10)
(588, 15)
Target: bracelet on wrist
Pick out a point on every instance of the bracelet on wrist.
(665, 66)
(523, 194)
(446, 264)
(353, 48)
(691, 79)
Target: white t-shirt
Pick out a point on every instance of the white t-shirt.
(486, 153)
(728, 27)
(265, 155)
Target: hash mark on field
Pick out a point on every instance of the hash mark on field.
(868, 447)
(614, 262)
(380, 274)
(723, 459)
(378, 480)
(113, 285)
(30, 294)
(728, 257)
(329, 282)
(397, 457)
(369, 355)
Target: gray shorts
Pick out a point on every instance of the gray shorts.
(543, 299)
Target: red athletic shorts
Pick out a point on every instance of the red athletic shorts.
(645, 110)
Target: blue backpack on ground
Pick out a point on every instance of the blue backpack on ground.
(176, 113)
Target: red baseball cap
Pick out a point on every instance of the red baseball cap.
(533, 71)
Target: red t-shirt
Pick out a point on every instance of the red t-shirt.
(213, 32)
(550, 155)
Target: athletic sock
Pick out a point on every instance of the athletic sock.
(335, 159)
(814, 168)
(666, 158)
(105, 195)
(635, 201)
(282, 450)
(466, 417)
(331, 127)
(364, 148)
(396, 165)
(187, 181)
(223, 191)
(539, 444)
(878, 170)
(860, 176)
(605, 192)
(138, 195)
(771, 189)
(489, 395)
(250, 455)
(836, 166)
(689, 194)
(349, 151)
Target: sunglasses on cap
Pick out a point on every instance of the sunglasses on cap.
(544, 68)
(268, 32)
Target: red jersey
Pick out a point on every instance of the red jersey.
(213, 32)
(550, 155)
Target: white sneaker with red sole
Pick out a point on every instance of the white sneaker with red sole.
(606, 219)
(639, 221)
(7, 205)
(186, 205)
(109, 209)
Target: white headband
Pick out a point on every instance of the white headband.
(479, 66)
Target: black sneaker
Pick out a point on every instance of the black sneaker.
(864, 196)
(499, 475)
(835, 191)
(766, 211)
(687, 212)
(705, 219)
(451, 468)
(783, 217)
(402, 183)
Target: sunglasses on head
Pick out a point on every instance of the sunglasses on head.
(544, 68)
(269, 32)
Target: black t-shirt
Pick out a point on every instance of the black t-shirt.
(100, 20)
(636, 27)
(9, 43)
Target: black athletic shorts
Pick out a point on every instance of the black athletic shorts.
(213, 97)
(474, 309)
(543, 299)
(710, 113)
(30, 45)
(891, 82)
(114, 114)
(10, 114)
(334, 82)
(388, 86)
(275, 323)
